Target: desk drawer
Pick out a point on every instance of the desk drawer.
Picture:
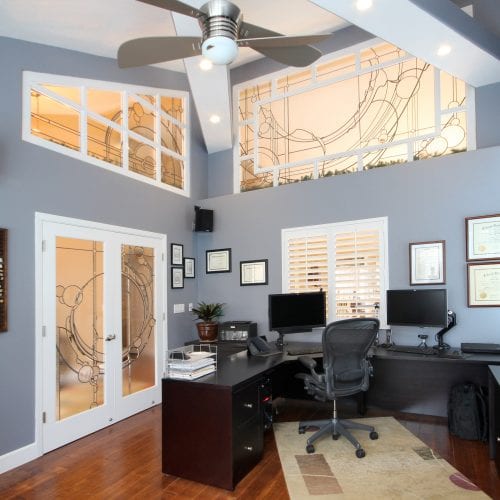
(248, 445)
(245, 404)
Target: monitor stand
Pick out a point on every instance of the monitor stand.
(452, 321)
(280, 344)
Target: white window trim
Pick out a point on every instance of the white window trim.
(469, 109)
(381, 223)
(33, 80)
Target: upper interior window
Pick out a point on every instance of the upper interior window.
(366, 109)
(135, 131)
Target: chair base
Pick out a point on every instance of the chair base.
(336, 428)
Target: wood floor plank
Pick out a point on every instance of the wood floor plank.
(124, 461)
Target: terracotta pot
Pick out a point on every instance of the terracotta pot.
(207, 331)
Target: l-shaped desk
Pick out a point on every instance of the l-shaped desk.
(213, 427)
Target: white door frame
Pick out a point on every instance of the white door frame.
(162, 333)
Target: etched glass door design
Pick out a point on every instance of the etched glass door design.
(102, 345)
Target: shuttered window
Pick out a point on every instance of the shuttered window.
(347, 260)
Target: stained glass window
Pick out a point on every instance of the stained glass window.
(374, 107)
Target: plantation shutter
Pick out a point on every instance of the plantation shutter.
(307, 263)
(357, 274)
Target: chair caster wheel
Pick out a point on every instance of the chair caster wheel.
(360, 453)
(373, 435)
(302, 430)
(335, 436)
(310, 448)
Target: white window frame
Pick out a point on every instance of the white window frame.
(330, 230)
(468, 109)
(35, 81)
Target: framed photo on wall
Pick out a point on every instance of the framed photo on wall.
(483, 284)
(176, 254)
(428, 263)
(253, 272)
(189, 267)
(219, 261)
(177, 277)
(482, 235)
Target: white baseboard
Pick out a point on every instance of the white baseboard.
(18, 457)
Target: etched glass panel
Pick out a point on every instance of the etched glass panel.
(380, 54)
(70, 93)
(251, 180)
(79, 326)
(251, 95)
(337, 67)
(172, 136)
(141, 119)
(453, 92)
(338, 166)
(291, 82)
(104, 142)
(54, 122)
(138, 319)
(172, 171)
(296, 174)
(174, 107)
(141, 158)
(105, 103)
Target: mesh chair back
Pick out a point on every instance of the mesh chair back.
(345, 347)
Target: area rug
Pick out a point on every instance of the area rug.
(397, 465)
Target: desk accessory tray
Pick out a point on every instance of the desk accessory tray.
(192, 361)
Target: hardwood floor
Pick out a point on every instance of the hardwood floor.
(124, 461)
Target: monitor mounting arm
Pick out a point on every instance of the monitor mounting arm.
(452, 321)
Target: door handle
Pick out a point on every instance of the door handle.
(110, 337)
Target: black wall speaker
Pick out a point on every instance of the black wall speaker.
(203, 219)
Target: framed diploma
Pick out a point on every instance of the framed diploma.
(253, 272)
(189, 267)
(177, 278)
(219, 261)
(483, 284)
(428, 263)
(483, 237)
(176, 254)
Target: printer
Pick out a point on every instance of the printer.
(237, 330)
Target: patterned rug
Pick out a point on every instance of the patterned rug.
(397, 465)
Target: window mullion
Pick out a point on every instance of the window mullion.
(125, 136)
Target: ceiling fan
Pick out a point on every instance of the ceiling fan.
(223, 31)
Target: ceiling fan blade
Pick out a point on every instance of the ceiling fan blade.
(157, 49)
(176, 6)
(248, 30)
(281, 41)
(300, 56)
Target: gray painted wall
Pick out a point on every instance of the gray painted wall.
(35, 179)
(424, 201)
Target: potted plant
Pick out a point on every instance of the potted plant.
(208, 327)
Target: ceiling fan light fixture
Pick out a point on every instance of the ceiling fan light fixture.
(220, 49)
(206, 64)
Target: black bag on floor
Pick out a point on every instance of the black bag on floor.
(468, 412)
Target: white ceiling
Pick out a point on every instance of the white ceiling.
(100, 26)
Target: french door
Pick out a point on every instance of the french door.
(102, 327)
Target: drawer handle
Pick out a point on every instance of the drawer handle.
(248, 448)
(248, 405)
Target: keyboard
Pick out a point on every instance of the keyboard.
(304, 349)
(480, 348)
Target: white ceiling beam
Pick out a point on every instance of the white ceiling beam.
(210, 89)
(411, 28)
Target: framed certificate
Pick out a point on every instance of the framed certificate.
(219, 261)
(177, 278)
(189, 267)
(483, 284)
(253, 272)
(483, 237)
(176, 254)
(427, 263)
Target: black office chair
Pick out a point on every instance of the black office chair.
(346, 372)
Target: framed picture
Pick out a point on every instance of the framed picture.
(189, 267)
(482, 235)
(253, 272)
(428, 263)
(483, 284)
(177, 254)
(219, 261)
(177, 277)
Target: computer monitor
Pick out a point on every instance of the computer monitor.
(423, 307)
(296, 312)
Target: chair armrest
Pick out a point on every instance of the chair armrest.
(308, 362)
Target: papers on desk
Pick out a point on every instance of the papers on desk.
(191, 375)
(191, 362)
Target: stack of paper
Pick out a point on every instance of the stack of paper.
(198, 365)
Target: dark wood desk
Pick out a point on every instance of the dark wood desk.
(213, 426)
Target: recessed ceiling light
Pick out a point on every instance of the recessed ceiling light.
(443, 50)
(363, 4)
(214, 119)
(206, 64)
